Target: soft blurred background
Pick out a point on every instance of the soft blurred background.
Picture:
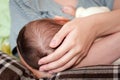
(4, 26)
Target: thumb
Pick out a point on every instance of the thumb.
(69, 10)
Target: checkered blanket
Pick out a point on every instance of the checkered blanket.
(103, 72)
(11, 69)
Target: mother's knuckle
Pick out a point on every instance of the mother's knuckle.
(72, 43)
(78, 48)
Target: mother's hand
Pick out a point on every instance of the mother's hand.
(75, 37)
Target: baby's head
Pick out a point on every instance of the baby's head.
(34, 38)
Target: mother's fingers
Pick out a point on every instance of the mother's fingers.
(59, 52)
(54, 56)
(66, 66)
(61, 62)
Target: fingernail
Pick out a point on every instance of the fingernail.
(41, 69)
(51, 72)
(39, 62)
(53, 43)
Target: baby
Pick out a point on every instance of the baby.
(34, 38)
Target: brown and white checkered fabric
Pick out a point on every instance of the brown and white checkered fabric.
(11, 69)
(103, 72)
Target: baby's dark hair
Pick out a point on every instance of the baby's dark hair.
(34, 38)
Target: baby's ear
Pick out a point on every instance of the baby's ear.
(61, 20)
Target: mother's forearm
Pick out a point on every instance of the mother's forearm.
(107, 23)
(104, 51)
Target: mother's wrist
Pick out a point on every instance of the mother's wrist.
(94, 25)
(97, 21)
